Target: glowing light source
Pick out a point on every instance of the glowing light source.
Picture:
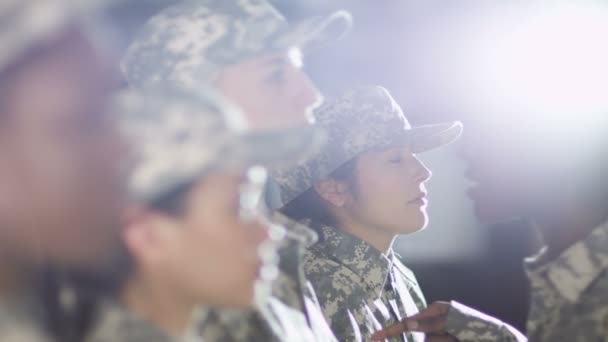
(555, 60)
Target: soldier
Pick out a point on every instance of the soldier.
(359, 192)
(59, 174)
(250, 54)
(564, 195)
(193, 236)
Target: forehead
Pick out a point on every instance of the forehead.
(292, 56)
(386, 151)
(254, 175)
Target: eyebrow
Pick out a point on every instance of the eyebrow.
(275, 60)
(282, 58)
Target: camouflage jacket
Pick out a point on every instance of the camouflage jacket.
(470, 325)
(116, 324)
(291, 314)
(569, 294)
(360, 289)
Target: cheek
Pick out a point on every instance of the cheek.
(387, 187)
(224, 263)
(384, 200)
(222, 237)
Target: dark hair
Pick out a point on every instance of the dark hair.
(173, 202)
(310, 206)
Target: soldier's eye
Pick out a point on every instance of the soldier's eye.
(277, 76)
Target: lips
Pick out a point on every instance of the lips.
(421, 199)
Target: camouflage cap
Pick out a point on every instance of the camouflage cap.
(25, 23)
(192, 40)
(180, 134)
(361, 119)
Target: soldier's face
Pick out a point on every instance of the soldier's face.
(272, 90)
(514, 172)
(59, 173)
(390, 194)
(211, 253)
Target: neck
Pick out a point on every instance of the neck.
(158, 304)
(377, 238)
(564, 224)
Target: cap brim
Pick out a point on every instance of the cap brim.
(313, 32)
(274, 148)
(428, 137)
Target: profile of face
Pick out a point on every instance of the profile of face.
(514, 167)
(271, 89)
(387, 191)
(209, 253)
(60, 155)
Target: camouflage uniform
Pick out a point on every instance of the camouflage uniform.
(189, 43)
(25, 25)
(569, 294)
(360, 288)
(469, 325)
(179, 134)
(118, 324)
(291, 313)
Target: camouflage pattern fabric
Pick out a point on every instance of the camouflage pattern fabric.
(469, 325)
(219, 324)
(292, 313)
(179, 133)
(569, 294)
(360, 119)
(359, 288)
(274, 322)
(190, 41)
(116, 324)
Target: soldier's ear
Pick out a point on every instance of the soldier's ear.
(332, 191)
(147, 235)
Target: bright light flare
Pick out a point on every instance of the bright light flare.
(554, 61)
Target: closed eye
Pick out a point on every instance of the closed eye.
(276, 76)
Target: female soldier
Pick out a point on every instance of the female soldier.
(365, 187)
(253, 56)
(193, 236)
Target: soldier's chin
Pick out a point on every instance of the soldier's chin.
(414, 223)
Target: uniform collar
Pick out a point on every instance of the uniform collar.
(572, 272)
(294, 230)
(116, 322)
(368, 263)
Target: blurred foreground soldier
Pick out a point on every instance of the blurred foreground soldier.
(365, 187)
(550, 170)
(194, 236)
(250, 54)
(60, 153)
